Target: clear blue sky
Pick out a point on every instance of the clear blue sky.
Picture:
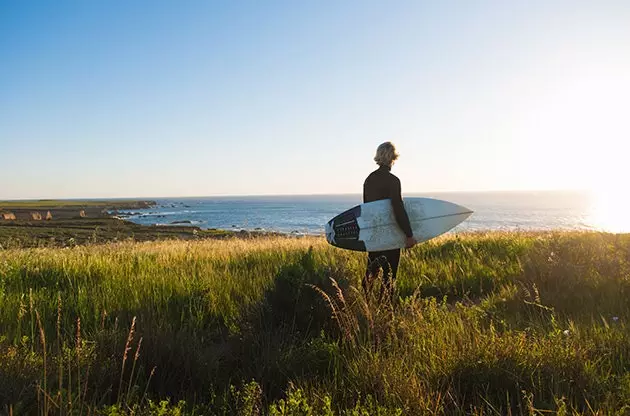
(157, 98)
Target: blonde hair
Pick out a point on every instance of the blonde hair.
(385, 154)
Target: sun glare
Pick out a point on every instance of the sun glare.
(610, 197)
(609, 210)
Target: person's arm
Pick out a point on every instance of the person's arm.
(399, 209)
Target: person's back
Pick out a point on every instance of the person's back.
(379, 184)
(382, 184)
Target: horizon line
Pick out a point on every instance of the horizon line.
(291, 195)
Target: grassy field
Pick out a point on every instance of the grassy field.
(481, 324)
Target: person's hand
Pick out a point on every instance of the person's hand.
(410, 242)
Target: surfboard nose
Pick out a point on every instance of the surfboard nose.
(450, 208)
(464, 211)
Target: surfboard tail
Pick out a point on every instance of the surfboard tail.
(330, 233)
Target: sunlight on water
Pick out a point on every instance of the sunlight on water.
(610, 211)
(518, 210)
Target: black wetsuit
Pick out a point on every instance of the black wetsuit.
(382, 184)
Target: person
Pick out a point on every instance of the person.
(382, 184)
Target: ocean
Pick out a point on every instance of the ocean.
(307, 214)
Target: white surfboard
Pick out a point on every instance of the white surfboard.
(373, 227)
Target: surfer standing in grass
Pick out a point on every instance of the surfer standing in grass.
(382, 184)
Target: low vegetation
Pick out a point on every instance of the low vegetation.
(71, 232)
(498, 323)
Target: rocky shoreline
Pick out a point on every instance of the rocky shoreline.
(71, 223)
(54, 210)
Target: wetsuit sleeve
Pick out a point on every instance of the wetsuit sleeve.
(364, 189)
(399, 209)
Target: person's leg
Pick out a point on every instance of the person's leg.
(388, 262)
(393, 259)
(376, 260)
(370, 272)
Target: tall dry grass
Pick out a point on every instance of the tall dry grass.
(498, 323)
